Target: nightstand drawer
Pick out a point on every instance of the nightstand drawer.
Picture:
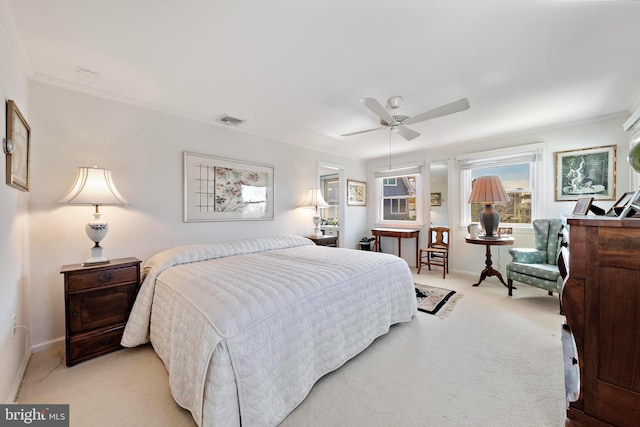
(100, 308)
(93, 279)
(84, 347)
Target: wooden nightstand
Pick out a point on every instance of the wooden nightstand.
(98, 300)
(324, 240)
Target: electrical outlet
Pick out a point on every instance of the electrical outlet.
(13, 325)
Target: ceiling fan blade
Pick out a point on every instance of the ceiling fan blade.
(362, 131)
(443, 110)
(373, 105)
(407, 133)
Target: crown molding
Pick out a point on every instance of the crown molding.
(12, 32)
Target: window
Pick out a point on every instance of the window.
(330, 192)
(517, 181)
(518, 169)
(398, 196)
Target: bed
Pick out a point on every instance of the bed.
(246, 327)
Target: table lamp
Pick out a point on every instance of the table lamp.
(315, 200)
(489, 190)
(94, 186)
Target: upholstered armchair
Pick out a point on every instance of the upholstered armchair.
(538, 266)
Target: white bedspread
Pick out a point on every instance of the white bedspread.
(245, 328)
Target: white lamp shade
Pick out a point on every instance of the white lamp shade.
(314, 199)
(93, 186)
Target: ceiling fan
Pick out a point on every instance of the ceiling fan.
(396, 119)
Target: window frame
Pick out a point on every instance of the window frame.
(381, 177)
(531, 154)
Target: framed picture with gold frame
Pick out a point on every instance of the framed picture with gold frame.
(356, 193)
(17, 147)
(587, 172)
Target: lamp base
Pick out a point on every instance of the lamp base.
(317, 232)
(96, 257)
(489, 219)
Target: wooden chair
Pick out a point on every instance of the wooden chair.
(437, 250)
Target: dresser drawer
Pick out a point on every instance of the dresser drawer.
(99, 278)
(100, 308)
(84, 347)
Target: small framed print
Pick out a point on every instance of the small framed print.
(505, 231)
(582, 206)
(17, 147)
(356, 193)
(436, 199)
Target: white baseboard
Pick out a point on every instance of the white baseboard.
(13, 394)
(15, 389)
(48, 344)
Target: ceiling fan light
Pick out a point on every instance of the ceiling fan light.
(394, 101)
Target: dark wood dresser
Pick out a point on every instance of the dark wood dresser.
(98, 300)
(601, 299)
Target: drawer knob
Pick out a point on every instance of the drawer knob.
(75, 313)
(105, 277)
(107, 341)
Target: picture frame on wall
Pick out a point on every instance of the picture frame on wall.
(356, 193)
(588, 172)
(17, 148)
(219, 189)
(436, 199)
(582, 206)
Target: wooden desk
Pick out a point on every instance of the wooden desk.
(398, 233)
(488, 269)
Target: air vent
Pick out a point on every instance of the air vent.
(229, 121)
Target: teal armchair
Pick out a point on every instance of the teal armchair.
(538, 266)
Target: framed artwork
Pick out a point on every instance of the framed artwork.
(582, 206)
(17, 147)
(589, 172)
(217, 189)
(356, 193)
(436, 199)
(505, 231)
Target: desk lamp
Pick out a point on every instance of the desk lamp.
(489, 190)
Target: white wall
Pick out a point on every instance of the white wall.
(14, 232)
(470, 258)
(143, 148)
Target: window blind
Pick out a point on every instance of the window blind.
(493, 158)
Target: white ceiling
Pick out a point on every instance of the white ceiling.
(294, 70)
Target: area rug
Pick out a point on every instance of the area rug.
(437, 301)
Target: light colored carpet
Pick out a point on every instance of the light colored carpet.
(494, 361)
